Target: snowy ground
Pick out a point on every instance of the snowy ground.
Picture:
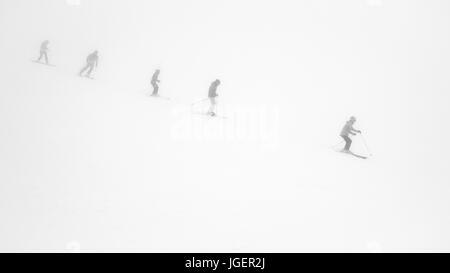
(96, 165)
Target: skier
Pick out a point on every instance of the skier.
(212, 94)
(346, 131)
(43, 51)
(155, 82)
(91, 63)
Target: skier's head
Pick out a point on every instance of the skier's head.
(96, 52)
(46, 41)
(217, 82)
(352, 119)
(157, 71)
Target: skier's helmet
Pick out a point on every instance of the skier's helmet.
(352, 118)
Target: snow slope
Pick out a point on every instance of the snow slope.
(96, 165)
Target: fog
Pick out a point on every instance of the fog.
(97, 165)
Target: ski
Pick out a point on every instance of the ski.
(38, 62)
(353, 154)
(209, 115)
(158, 97)
(87, 77)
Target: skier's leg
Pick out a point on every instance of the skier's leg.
(348, 143)
(155, 89)
(91, 68)
(46, 57)
(212, 108)
(40, 56)
(84, 69)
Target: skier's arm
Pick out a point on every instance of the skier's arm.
(353, 130)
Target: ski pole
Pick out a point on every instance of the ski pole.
(365, 144)
(192, 104)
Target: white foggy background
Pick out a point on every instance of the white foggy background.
(98, 166)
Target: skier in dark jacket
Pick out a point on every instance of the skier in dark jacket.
(44, 51)
(91, 63)
(155, 82)
(349, 130)
(212, 95)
